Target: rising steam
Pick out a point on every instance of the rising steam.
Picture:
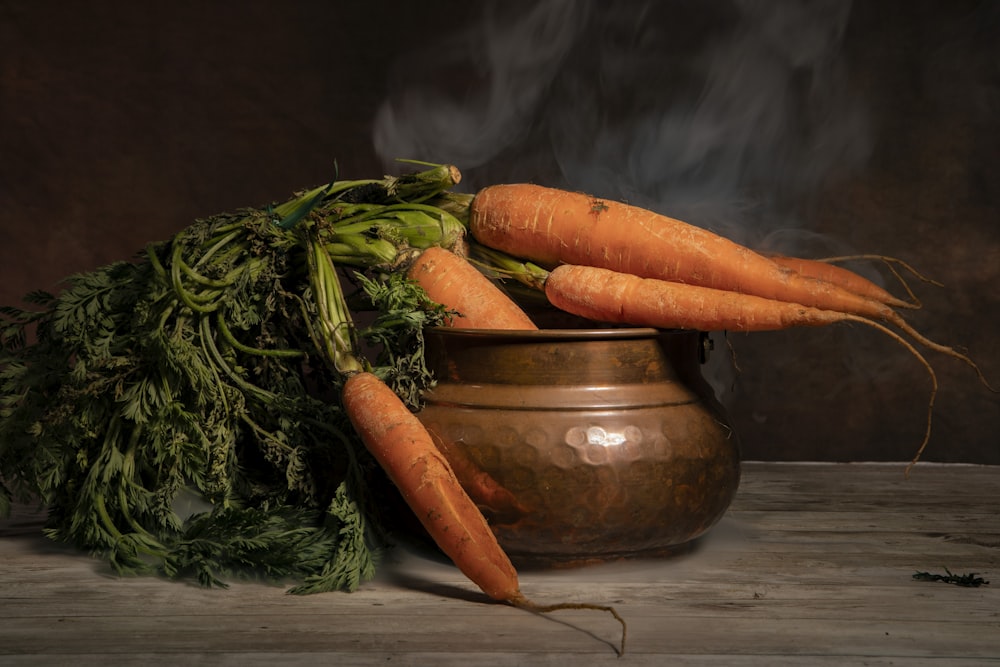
(485, 88)
(719, 114)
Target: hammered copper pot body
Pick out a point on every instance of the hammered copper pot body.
(583, 444)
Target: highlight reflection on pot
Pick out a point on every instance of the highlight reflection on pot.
(596, 435)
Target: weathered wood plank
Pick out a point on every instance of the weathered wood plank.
(446, 658)
(812, 566)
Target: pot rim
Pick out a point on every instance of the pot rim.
(560, 334)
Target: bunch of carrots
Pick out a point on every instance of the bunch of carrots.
(608, 262)
(602, 260)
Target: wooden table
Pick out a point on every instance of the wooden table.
(812, 565)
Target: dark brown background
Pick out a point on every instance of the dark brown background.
(121, 122)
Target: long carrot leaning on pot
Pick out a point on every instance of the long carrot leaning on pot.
(405, 450)
(401, 445)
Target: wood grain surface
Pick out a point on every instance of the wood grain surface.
(812, 565)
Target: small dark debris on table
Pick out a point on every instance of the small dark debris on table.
(970, 580)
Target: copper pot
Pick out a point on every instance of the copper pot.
(583, 444)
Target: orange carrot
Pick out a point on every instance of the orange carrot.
(608, 296)
(891, 263)
(551, 227)
(406, 451)
(838, 275)
(453, 282)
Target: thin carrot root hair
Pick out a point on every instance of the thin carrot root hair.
(891, 263)
(923, 361)
(908, 329)
(889, 315)
(930, 371)
(521, 602)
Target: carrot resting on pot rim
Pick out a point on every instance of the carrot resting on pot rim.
(477, 303)
(551, 227)
(603, 295)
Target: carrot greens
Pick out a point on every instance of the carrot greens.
(174, 412)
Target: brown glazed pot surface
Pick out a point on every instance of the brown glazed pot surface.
(583, 445)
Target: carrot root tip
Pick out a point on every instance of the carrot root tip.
(522, 602)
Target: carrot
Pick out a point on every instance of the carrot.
(608, 296)
(551, 227)
(838, 275)
(477, 302)
(891, 263)
(406, 451)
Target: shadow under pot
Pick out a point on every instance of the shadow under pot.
(583, 445)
